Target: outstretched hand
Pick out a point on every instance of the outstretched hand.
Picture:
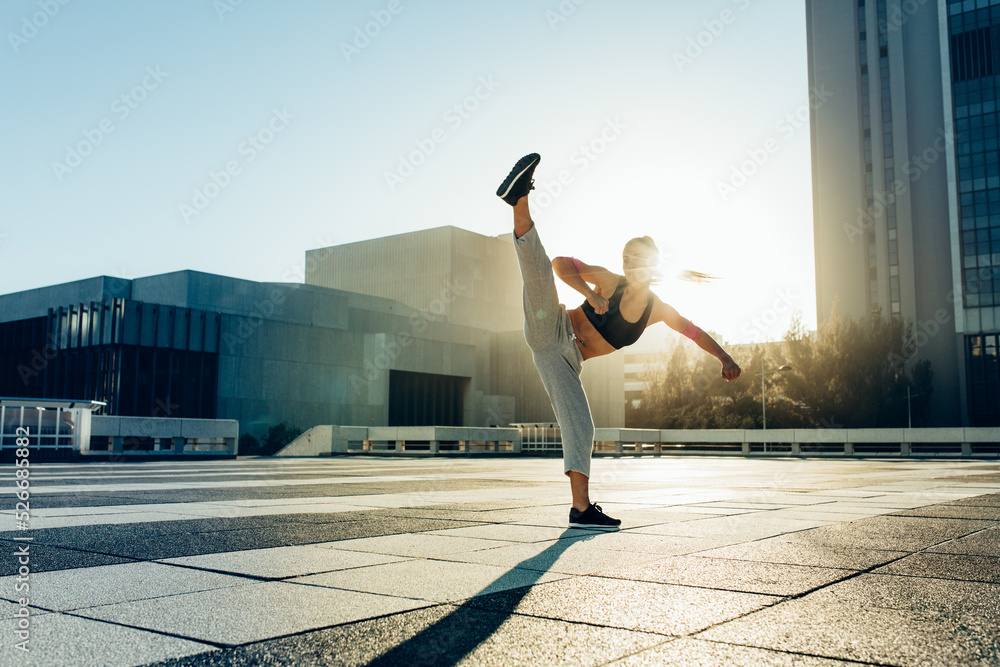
(730, 370)
(599, 303)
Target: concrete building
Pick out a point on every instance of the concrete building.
(467, 278)
(190, 344)
(905, 178)
(470, 280)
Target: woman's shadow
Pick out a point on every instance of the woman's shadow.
(451, 638)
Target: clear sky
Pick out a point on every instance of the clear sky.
(231, 136)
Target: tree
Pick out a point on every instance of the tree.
(855, 373)
(686, 390)
(850, 374)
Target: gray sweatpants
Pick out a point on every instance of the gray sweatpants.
(548, 330)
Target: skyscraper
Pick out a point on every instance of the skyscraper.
(906, 182)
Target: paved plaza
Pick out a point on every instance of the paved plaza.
(442, 561)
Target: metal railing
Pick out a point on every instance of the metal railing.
(409, 440)
(545, 439)
(916, 442)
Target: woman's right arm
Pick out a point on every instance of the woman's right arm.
(565, 268)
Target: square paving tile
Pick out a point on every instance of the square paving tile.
(991, 500)
(732, 575)
(743, 505)
(252, 612)
(665, 545)
(955, 512)
(656, 516)
(447, 635)
(282, 562)
(414, 545)
(735, 529)
(512, 532)
(881, 618)
(505, 639)
(711, 510)
(946, 566)
(8, 609)
(695, 653)
(435, 580)
(819, 514)
(62, 640)
(896, 533)
(983, 543)
(578, 556)
(804, 549)
(64, 590)
(45, 557)
(661, 608)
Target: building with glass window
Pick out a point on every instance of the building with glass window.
(197, 345)
(906, 182)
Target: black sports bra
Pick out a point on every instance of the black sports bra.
(614, 328)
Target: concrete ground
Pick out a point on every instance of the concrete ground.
(391, 561)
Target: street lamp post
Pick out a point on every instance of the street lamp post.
(763, 403)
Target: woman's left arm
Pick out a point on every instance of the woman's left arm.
(665, 313)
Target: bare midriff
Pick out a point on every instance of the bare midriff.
(590, 342)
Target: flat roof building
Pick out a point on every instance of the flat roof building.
(192, 344)
(906, 182)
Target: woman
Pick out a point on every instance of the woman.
(616, 311)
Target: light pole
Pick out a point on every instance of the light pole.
(763, 403)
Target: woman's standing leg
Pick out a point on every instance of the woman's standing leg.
(548, 332)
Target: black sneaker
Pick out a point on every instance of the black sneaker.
(518, 182)
(592, 517)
